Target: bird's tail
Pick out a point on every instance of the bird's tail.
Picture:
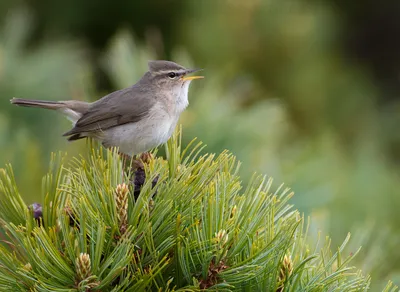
(54, 105)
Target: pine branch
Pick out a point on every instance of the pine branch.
(195, 229)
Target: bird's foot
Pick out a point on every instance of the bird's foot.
(146, 157)
(138, 162)
(143, 159)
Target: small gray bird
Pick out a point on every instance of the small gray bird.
(135, 119)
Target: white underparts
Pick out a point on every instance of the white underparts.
(73, 116)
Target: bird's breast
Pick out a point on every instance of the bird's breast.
(151, 131)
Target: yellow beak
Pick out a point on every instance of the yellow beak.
(186, 78)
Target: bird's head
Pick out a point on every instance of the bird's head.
(171, 76)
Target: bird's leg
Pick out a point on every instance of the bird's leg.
(146, 157)
(139, 177)
(135, 166)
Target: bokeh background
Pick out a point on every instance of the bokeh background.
(306, 92)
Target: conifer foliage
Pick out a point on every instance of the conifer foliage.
(197, 228)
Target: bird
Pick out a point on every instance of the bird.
(135, 119)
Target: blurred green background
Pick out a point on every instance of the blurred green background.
(303, 91)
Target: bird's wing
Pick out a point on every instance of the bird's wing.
(124, 106)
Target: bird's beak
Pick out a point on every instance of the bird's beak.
(192, 78)
(187, 78)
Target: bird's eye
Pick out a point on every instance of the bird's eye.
(172, 75)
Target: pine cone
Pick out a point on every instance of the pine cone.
(121, 202)
(284, 272)
(83, 266)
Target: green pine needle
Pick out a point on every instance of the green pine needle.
(190, 227)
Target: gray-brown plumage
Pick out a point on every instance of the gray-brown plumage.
(135, 119)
